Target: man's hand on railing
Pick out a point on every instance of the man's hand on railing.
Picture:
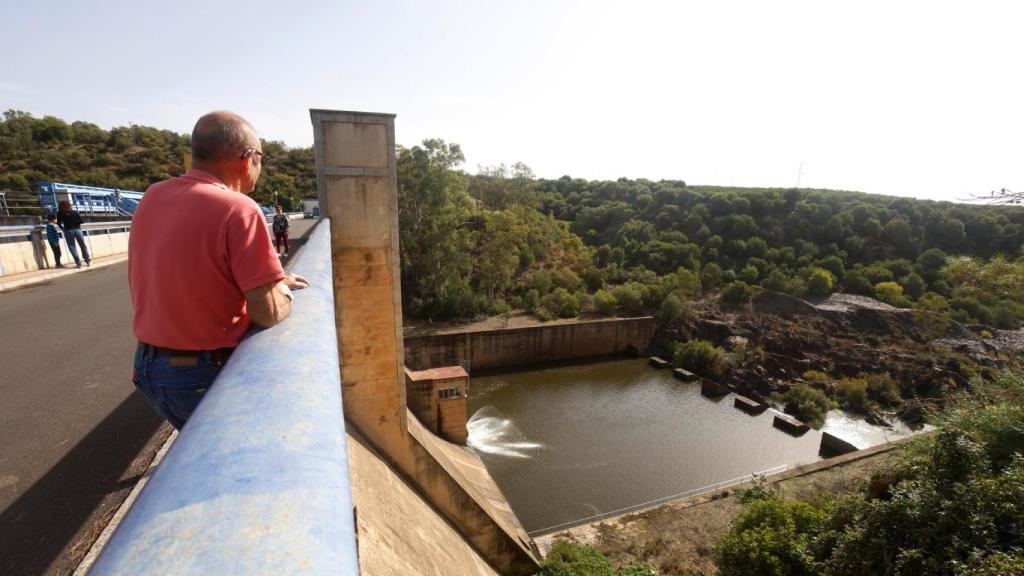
(295, 282)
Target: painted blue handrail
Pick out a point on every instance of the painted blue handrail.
(257, 482)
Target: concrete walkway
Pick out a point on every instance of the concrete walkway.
(40, 276)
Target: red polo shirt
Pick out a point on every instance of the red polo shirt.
(195, 248)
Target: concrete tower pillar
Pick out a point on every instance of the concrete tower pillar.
(358, 188)
(358, 185)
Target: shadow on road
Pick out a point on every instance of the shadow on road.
(37, 527)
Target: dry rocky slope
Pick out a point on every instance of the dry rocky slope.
(780, 337)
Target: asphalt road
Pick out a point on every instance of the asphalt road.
(74, 432)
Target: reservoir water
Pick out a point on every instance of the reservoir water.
(573, 441)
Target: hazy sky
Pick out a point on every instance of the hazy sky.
(909, 98)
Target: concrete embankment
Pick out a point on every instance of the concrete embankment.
(499, 348)
(399, 530)
(683, 533)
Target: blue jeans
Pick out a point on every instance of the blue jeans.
(73, 234)
(174, 386)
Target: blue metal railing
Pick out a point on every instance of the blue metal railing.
(125, 206)
(257, 482)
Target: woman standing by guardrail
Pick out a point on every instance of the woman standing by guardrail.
(71, 223)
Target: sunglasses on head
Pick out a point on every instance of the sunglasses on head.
(250, 151)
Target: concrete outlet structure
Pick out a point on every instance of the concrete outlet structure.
(438, 398)
(358, 189)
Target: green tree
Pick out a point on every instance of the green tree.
(711, 276)
(433, 209)
(684, 281)
(819, 283)
(950, 233)
(499, 250)
(776, 281)
(500, 187)
(737, 292)
(675, 309)
(913, 285)
(932, 313)
(898, 232)
(631, 296)
(562, 303)
(749, 274)
(604, 303)
(834, 264)
(891, 293)
(931, 262)
(856, 283)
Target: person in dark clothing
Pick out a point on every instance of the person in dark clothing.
(53, 238)
(281, 225)
(70, 222)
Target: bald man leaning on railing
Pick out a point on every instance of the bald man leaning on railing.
(202, 268)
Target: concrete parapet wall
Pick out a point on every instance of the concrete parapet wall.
(516, 346)
(26, 250)
(23, 253)
(258, 481)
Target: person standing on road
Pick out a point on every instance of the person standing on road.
(53, 238)
(281, 225)
(201, 268)
(70, 222)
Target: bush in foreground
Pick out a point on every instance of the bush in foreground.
(771, 536)
(569, 559)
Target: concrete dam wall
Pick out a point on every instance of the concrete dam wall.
(530, 345)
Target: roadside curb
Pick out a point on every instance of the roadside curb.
(115, 520)
(53, 273)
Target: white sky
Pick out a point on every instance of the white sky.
(908, 98)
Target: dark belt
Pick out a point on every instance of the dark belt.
(218, 355)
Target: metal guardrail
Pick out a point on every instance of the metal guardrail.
(88, 228)
(658, 502)
(257, 482)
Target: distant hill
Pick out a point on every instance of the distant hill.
(130, 158)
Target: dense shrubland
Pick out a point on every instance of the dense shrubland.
(503, 239)
(955, 505)
(128, 158)
(626, 246)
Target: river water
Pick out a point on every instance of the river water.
(573, 441)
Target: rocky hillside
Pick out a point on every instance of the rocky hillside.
(779, 340)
